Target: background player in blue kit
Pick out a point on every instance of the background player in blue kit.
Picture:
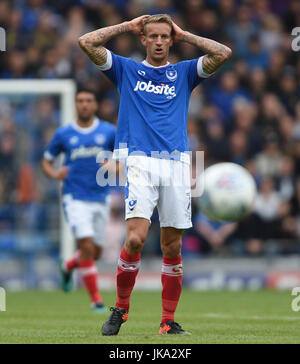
(152, 136)
(85, 203)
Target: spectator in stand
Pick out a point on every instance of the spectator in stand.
(238, 147)
(268, 161)
(286, 127)
(216, 140)
(245, 114)
(289, 90)
(257, 57)
(295, 202)
(257, 83)
(296, 153)
(286, 178)
(276, 65)
(270, 35)
(241, 30)
(225, 95)
(226, 10)
(45, 35)
(271, 111)
(193, 135)
(162, 7)
(8, 165)
(16, 66)
(215, 235)
(266, 208)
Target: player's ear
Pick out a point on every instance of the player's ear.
(172, 37)
(143, 40)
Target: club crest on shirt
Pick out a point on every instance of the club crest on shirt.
(171, 75)
(74, 140)
(132, 204)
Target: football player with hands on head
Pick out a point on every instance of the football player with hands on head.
(152, 138)
(85, 203)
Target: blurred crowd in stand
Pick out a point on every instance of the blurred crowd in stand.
(247, 113)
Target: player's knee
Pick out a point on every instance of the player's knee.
(97, 252)
(87, 248)
(134, 243)
(172, 247)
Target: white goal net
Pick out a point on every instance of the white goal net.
(30, 111)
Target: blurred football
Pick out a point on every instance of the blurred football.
(229, 192)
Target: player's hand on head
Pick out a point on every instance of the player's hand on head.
(62, 173)
(137, 24)
(178, 33)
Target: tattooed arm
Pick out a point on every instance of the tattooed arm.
(93, 43)
(217, 53)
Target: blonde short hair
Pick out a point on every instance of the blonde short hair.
(159, 18)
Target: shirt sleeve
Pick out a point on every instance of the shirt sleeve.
(195, 72)
(113, 68)
(54, 148)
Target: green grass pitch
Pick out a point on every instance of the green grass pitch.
(211, 317)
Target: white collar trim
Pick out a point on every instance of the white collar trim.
(145, 63)
(87, 130)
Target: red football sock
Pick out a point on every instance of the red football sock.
(171, 278)
(128, 267)
(90, 278)
(73, 262)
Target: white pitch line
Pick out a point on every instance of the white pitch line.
(230, 317)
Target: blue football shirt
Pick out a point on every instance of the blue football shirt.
(81, 147)
(154, 104)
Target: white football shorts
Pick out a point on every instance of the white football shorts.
(87, 218)
(164, 183)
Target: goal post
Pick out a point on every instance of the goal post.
(65, 90)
